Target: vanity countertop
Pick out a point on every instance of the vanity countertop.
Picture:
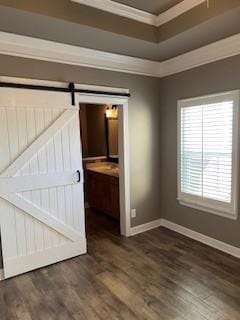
(108, 168)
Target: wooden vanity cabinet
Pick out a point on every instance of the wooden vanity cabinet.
(103, 193)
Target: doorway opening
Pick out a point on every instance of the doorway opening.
(104, 135)
(99, 135)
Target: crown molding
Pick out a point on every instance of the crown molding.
(213, 52)
(120, 10)
(45, 50)
(140, 15)
(34, 48)
(176, 11)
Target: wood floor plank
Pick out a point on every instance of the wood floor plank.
(101, 297)
(16, 307)
(153, 285)
(157, 275)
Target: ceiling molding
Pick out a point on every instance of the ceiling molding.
(176, 11)
(34, 48)
(45, 50)
(140, 15)
(213, 52)
(120, 10)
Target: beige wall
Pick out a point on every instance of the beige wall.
(113, 136)
(213, 78)
(144, 129)
(95, 131)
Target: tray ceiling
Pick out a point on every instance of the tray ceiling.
(62, 31)
(81, 25)
(152, 6)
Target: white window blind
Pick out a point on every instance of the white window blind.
(208, 152)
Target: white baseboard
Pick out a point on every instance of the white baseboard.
(145, 227)
(220, 245)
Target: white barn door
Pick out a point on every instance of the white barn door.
(41, 198)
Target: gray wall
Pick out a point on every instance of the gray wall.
(152, 132)
(144, 130)
(213, 78)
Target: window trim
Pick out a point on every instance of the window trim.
(209, 205)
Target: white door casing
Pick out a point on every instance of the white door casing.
(123, 136)
(41, 201)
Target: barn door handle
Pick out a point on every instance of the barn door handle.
(79, 176)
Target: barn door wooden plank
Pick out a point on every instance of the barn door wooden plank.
(43, 216)
(30, 183)
(41, 203)
(51, 204)
(39, 143)
(32, 226)
(76, 164)
(7, 217)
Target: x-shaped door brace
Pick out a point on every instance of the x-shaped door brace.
(10, 185)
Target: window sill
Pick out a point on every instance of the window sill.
(211, 210)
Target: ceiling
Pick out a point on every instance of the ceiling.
(152, 6)
(72, 23)
(49, 28)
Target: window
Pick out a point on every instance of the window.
(208, 153)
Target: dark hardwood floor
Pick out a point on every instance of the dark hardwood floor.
(156, 275)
